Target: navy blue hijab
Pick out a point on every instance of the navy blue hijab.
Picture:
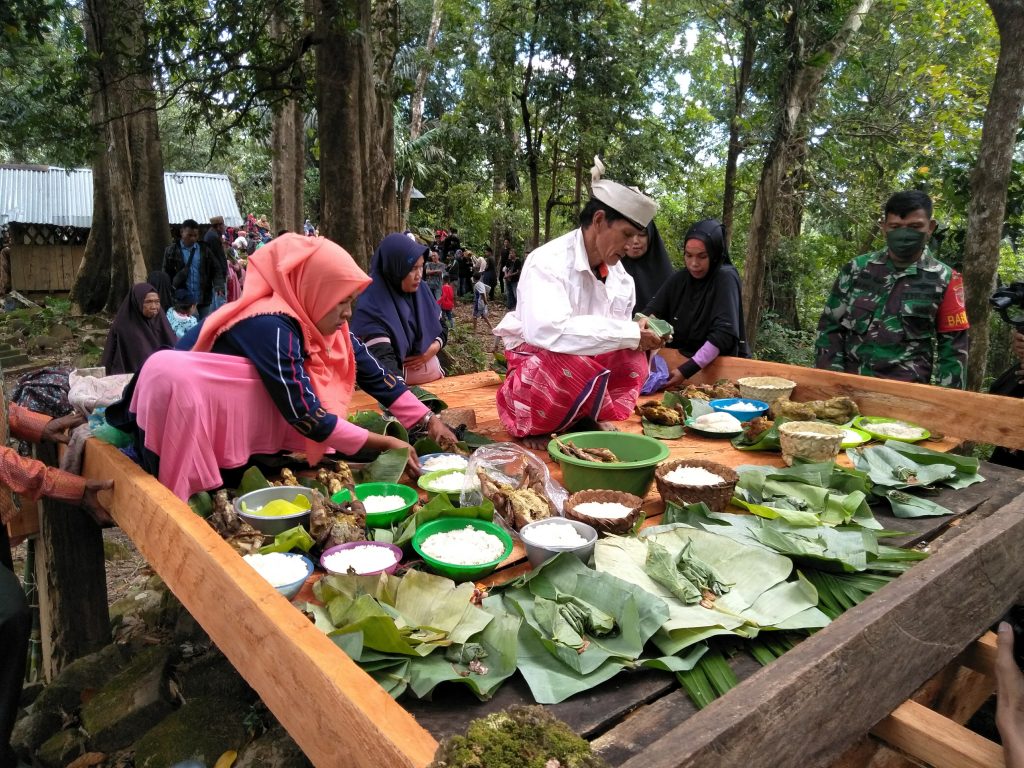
(411, 320)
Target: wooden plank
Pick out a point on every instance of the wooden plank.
(981, 655)
(863, 665)
(327, 703)
(981, 417)
(938, 741)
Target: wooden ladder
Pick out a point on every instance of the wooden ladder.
(928, 729)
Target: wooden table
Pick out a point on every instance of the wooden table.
(849, 675)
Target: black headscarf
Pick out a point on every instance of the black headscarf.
(708, 309)
(161, 281)
(652, 270)
(134, 337)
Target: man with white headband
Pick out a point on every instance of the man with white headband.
(573, 350)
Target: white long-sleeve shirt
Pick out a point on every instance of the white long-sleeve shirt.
(561, 306)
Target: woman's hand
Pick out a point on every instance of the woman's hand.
(675, 379)
(439, 432)
(56, 430)
(431, 351)
(383, 443)
(1010, 699)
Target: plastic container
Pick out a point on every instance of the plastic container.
(396, 551)
(725, 406)
(638, 455)
(426, 458)
(382, 519)
(274, 525)
(538, 554)
(460, 572)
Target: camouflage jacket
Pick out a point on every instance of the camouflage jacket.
(884, 322)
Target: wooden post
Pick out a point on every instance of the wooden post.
(72, 581)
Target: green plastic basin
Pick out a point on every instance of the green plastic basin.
(639, 455)
(451, 570)
(382, 519)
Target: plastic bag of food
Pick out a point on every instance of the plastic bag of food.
(516, 481)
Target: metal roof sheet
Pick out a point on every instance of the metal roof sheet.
(40, 194)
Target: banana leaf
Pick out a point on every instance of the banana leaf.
(379, 423)
(766, 441)
(425, 446)
(201, 503)
(635, 615)
(672, 399)
(806, 494)
(439, 506)
(294, 538)
(760, 598)
(386, 468)
(967, 465)
(661, 327)
(429, 399)
(470, 441)
(252, 480)
(662, 431)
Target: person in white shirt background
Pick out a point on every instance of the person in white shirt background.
(573, 350)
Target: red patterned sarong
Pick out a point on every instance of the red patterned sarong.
(547, 392)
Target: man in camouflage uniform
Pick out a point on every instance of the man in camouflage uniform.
(889, 310)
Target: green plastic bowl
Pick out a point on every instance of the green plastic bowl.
(460, 572)
(425, 481)
(640, 456)
(382, 519)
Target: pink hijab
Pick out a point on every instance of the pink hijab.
(302, 277)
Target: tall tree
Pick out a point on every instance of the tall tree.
(129, 227)
(356, 46)
(800, 88)
(288, 143)
(990, 179)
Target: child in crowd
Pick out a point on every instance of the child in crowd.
(182, 315)
(480, 289)
(447, 302)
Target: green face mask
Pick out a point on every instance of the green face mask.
(905, 243)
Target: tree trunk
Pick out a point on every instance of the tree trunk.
(72, 581)
(130, 227)
(735, 143)
(782, 299)
(416, 111)
(288, 166)
(799, 91)
(355, 53)
(990, 179)
(532, 142)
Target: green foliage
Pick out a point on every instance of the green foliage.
(784, 345)
(466, 352)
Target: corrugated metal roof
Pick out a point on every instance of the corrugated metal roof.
(40, 194)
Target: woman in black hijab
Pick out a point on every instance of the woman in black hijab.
(162, 283)
(647, 262)
(139, 329)
(702, 302)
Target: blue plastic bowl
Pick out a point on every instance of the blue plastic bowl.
(726, 404)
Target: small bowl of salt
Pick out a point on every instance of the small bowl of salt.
(689, 481)
(385, 503)
(551, 536)
(362, 558)
(604, 510)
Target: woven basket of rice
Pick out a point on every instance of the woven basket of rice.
(716, 496)
(809, 440)
(605, 524)
(765, 388)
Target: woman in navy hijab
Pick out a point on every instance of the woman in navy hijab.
(397, 317)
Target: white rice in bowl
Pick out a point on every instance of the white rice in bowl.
(693, 476)
(449, 483)
(437, 463)
(463, 546)
(606, 510)
(896, 429)
(379, 503)
(366, 558)
(277, 568)
(744, 407)
(555, 534)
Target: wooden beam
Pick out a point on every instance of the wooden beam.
(928, 736)
(858, 669)
(973, 415)
(333, 710)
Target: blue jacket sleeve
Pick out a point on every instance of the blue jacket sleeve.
(274, 345)
(374, 378)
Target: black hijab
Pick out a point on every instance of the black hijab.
(650, 271)
(708, 309)
(161, 281)
(133, 337)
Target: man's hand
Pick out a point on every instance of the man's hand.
(56, 430)
(649, 339)
(1010, 699)
(91, 501)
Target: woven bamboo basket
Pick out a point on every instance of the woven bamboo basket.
(605, 524)
(716, 496)
(765, 388)
(809, 440)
